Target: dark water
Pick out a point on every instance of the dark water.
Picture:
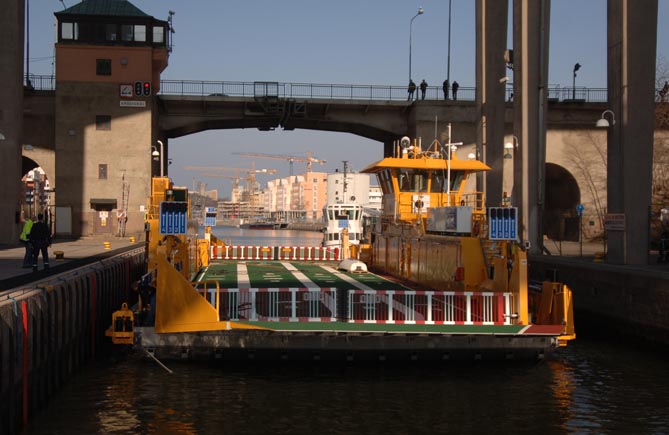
(590, 387)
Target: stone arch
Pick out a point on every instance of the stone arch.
(563, 194)
(27, 164)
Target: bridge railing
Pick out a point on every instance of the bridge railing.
(335, 91)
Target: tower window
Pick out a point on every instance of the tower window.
(103, 122)
(103, 67)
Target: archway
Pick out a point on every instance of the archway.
(560, 220)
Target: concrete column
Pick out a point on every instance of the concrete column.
(531, 20)
(11, 117)
(632, 41)
(491, 30)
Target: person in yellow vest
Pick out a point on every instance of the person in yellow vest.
(28, 257)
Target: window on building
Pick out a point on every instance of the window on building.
(103, 67)
(158, 35)
(69, 31)
(102, 171)
(127, 32)
(103, 122)
(111, 32)
(140, 33)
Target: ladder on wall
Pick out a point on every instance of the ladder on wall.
(122, 213)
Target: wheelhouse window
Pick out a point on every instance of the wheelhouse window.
(413, 180)
(385, 181)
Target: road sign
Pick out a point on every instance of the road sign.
(503, 223)
(173, 217)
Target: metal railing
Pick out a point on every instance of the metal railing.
(202, 88)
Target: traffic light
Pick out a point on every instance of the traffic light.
(147, 89)
(30, 196)
(138, 89)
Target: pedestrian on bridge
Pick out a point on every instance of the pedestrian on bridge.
(411, 90)
(423, 88)
(455, 90)
(40, 237)
(445, 88)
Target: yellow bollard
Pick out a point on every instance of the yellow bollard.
(132, 239)
(59, 255)
(599, 257)
(107, 245)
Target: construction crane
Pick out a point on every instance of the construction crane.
(291, 159)
(215, 171)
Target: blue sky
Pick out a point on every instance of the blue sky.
(344, 42)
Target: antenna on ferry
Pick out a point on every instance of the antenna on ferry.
(345, 176)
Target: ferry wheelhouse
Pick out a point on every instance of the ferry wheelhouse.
(342, 220)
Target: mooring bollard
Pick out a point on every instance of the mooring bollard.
(107, 245)
(132, 239)
(59, 255)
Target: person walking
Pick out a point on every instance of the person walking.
(411, 90)
(40, 237)
(28, 256)
(423, 88)
(445, 88)
(455, 90)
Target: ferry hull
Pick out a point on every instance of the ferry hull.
(248, 345)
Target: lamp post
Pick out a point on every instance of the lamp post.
(573, 88)
(448, 59)
(160, 154)
(420, 12)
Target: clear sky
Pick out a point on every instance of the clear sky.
(342, 42)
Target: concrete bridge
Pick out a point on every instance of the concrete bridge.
(379, 113)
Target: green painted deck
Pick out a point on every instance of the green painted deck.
(390, 328)
(276, 274)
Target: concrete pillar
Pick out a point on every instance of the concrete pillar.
(531, 20)
(11, 117)
(491, 30)
(632, 41)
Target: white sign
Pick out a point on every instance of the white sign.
(614, 222)
(125, 91)
(133, 103)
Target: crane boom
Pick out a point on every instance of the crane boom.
(309, 159)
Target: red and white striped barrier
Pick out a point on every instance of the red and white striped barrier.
(428, 307)
(288, 253)
(279, 304)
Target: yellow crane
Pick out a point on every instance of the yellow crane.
(309, 159)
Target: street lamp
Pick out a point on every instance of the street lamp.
(603, 122)
(510, 146)
(573, 89)
(448, 60)
(421, 11)
(156, 154)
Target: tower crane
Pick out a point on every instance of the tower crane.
(291, 159)
(219, 171)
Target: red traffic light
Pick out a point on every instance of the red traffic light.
(147, 89)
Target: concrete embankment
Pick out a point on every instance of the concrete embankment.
(50, 329)
(306, 226)
(619, 301)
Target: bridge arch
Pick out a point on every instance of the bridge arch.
(563, 194)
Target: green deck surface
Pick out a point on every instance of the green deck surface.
(273, 274)
(390, 328)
